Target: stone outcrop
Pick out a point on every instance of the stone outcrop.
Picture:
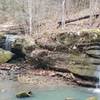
(62, 51)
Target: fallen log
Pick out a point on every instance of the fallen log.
(76, 19)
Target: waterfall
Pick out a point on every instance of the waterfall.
(8, 41)
(98, 75)
(97, 90)
(93, 61)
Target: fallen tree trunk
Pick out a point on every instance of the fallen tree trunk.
(76, 19)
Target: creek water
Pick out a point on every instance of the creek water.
(9, 89)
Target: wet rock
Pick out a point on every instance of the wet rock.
(24, 94)
(5, 56)
(69, 99)
(92, 98)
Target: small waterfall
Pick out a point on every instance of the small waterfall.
(93, 61)
(98, 74)
(97, 90)
(8, 41)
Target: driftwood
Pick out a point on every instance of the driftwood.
(76, 19)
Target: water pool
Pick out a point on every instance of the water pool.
(8, 90)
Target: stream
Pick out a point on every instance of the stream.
(9, 89)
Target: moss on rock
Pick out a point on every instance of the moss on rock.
(5, 56)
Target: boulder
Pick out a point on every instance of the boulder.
(5, 56)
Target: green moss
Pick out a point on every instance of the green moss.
(5, 56)
(2, 34)
(96, 31)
